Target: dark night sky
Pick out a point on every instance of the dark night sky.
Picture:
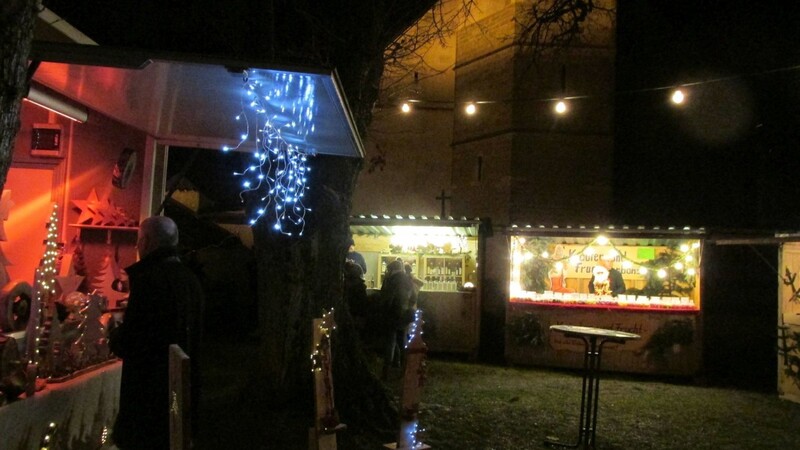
(727, 158)
(730, 156)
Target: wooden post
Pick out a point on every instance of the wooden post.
(413, 380)
(323, 435)
(180, 424)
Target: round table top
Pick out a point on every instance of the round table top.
(596, 332)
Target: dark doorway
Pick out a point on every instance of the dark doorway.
(740, 289)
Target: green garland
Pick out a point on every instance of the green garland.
(526, 331)
(792, 359)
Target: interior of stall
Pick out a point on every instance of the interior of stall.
(441, 254)
(653, 272)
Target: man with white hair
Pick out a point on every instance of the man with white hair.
(164, 308)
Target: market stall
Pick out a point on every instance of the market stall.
(639, 281)
(789, 322)
(443, 255)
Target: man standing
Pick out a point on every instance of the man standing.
(356, 257)
(164, 307)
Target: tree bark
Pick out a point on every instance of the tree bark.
(16, 34)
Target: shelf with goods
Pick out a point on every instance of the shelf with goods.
(109, 229)
(385, 258)
(443, 272)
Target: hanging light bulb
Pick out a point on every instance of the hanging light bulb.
(602, 240)
(678, 97)
(470, 109)
(405, 107)
(561, 107)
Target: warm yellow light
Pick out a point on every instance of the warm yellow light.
(559, 266)
(689, 258)
(691, 271)
(695, 245)
(684, 248)
(678, 266)
(545, 254)
(574, 260)
(602, 240)
(642, 270)
(405, 107)
(662, 273)
(612, 254)
(470, 108)
(627, 264)
(528, 256)
(561, 107)
(678, 97)
(589, 251)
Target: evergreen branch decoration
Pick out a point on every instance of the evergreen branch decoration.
(535, 271)
(526, 331)
(792, 363)
(788, 280)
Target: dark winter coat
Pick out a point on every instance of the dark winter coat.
(165, 307)
(397, 296)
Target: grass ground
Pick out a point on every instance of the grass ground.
(474, 406)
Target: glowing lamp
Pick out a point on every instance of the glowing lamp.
(470, 109)
(677, 97)
(405, 107)
(561, 107)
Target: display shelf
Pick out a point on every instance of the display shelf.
(443, 272)
(109, 229)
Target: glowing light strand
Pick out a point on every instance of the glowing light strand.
(282, 108)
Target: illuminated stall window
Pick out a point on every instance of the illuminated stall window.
(655, 272)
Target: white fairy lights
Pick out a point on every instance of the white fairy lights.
(45, 281)
(282, 108)
(683, 260)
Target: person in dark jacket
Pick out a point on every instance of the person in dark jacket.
(164, 307)
(397, 296)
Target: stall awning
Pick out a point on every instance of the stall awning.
(384, 225)
(193, 100)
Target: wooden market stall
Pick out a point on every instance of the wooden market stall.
(88, 164)
(557, 276)
(789, 322)
(444, 254)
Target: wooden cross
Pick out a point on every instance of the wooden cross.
(443, 198)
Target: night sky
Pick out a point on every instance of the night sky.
(730, 156)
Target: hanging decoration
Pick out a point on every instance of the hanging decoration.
(278, 112)
(101, 212)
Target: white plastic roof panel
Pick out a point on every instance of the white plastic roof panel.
(193, 101)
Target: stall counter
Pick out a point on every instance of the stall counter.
(670, 341)
(80, 408)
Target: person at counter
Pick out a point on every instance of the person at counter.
(397, 298)
(606, 280)
(353, 255)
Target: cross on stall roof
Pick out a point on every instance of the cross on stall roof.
(443, 198)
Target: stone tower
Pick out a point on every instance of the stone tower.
(516, 160)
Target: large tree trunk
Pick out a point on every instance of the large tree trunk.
(16, 34)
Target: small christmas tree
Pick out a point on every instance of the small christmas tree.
(44, 290)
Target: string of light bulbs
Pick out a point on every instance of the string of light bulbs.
(684, 261)
(282, 108)
(678, 94)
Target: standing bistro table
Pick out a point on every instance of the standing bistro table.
(593, 340)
